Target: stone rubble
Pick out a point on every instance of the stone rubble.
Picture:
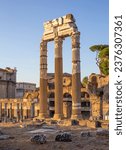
(85, 134)
(63, 137)
(38, 139)
(88, 134)
(4, 137)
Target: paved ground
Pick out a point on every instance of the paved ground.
(20, 138)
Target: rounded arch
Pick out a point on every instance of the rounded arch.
(94, 79)
(67, 95)
(87, 95)
(84, 95)
(28, 95)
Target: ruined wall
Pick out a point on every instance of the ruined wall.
(98, 88)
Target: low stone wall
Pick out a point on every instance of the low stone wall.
(92, 124)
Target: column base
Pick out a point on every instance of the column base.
(76, 117)
(58, 116)
(42, 116)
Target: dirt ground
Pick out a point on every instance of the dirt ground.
(20, 138)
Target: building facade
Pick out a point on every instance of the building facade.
(94, 100)
(22, 87)
(7, 82)
(67, 97)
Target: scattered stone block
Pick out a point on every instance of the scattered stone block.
(74, 122)
(63, 137)
(5, 137)
(65, 122)
(83, 122)
(85, 134)
(88, 134)
(92, 124)
(105, 125)
(38, 139)
(36, 125)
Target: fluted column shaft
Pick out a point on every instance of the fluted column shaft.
(58, 79)
(76, 83)
(43, 80)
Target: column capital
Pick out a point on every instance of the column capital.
(43, 42)
(75, 40)
(76, 33)
(58, 41)
(43, 46)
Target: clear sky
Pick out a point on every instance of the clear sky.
(21, 29)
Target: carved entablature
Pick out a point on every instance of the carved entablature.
(62, 27)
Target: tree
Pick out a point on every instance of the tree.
(85, 81)
(102, 57)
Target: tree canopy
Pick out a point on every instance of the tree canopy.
(85, 81)
(102, 57)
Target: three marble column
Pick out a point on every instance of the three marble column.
(76, 84)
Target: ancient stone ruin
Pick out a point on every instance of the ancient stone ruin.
(56, 30)
(57, 99)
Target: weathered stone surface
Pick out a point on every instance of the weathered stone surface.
(102, 132)
(85, 134)
(52, 122)
(105, 125)
(38, 139)
(93, 124)
(83, 122)
(88, 134)
(36, 125)
(39, 104)
(63, 137)
(4, 137)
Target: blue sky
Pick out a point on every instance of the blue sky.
(21, 29)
